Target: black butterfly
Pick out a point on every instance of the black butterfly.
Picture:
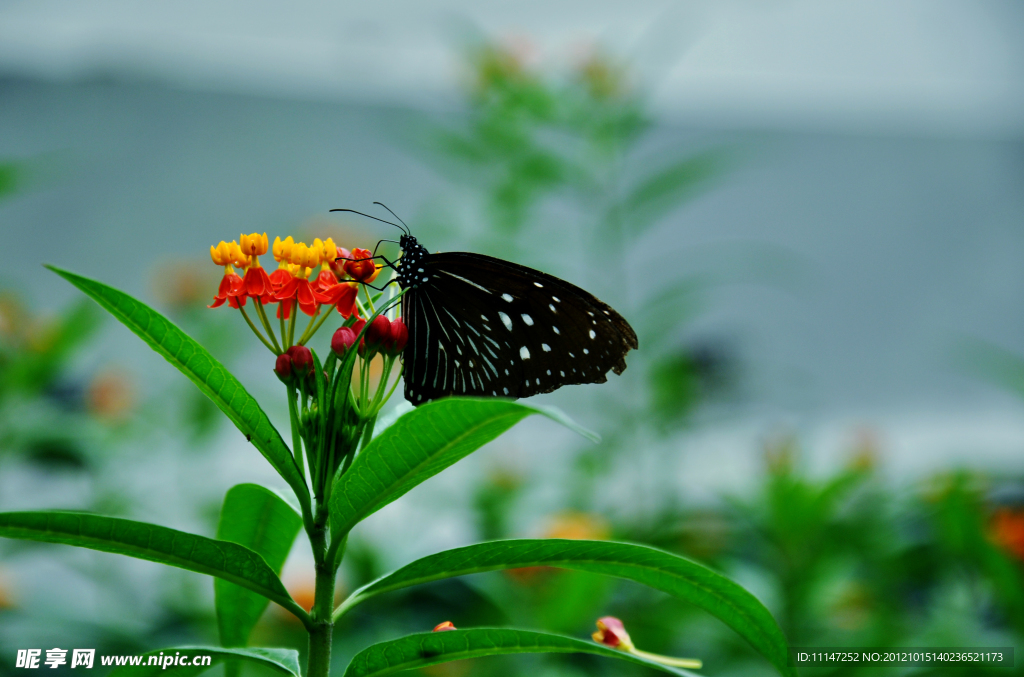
(481, 326)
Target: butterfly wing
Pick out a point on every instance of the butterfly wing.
(483, 326)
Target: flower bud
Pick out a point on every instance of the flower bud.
(378, 332)
(356, 328)
(360, 266)
(611, 632)
(337, 264)
(302, 359)
(283, 366)
(398, 336)
(442, 627)
(342, 340)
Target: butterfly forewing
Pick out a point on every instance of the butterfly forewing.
(483, 326)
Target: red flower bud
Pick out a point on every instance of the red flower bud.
(302, 359)
(397, 338)
(378, 332)
(357, 327)
(283, 367)
(360, 266)
(342, 340)
(611, 632)
(338, 264)
(442, 627)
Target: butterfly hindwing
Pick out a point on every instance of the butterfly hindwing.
(483, 326)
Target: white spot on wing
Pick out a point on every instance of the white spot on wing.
(539, 284)
(528, 320)
(592, 334)
(524, 353)
(507, 297)
(546, 347)
(556, 329)
(505, 320)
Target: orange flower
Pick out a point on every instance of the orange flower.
(1007, 531)
(303, 260)
(297, 289)
(278, 279)
(444, 627)
(361, 267)
(341, 295)
(231, 289)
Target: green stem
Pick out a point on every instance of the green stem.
(257, 331)
(309, 325)
(368, 431)
(284, 334)
(293, 413)
(321, 621)
(266, 324)
(369, 300)
(398, 377)
(312, 329)
(291, 322)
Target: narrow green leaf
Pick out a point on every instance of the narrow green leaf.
(664, 190)
(418, 446)
(192, 360)
(658, 569)
(152, 542)
(279, 660)
(431, 648)
(262, 521)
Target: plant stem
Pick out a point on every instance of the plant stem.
(323, 607)
(266, 324)
(313, 328)
(257, 331)
(293, 413)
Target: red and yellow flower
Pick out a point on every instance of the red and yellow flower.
(232, 286)
(257, 282)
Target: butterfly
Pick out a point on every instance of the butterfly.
(484, 327)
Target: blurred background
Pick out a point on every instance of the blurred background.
(812, 213)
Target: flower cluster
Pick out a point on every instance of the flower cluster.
(295, 283)
(332, 404)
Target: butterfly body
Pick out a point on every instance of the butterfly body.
(482, 326)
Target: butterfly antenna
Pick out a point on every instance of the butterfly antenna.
(407, 231)
(372, 217)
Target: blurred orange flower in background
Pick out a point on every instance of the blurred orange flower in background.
(110, 395)
(1007, 531)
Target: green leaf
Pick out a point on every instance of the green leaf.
(658, 569)
(259, 519)
(431, 648)
(662, 192)
(201, 368)
(280, 660)
(229, 561)
(418, 446)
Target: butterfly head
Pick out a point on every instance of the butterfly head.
(411, 273)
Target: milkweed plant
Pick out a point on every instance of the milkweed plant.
(342, 469)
